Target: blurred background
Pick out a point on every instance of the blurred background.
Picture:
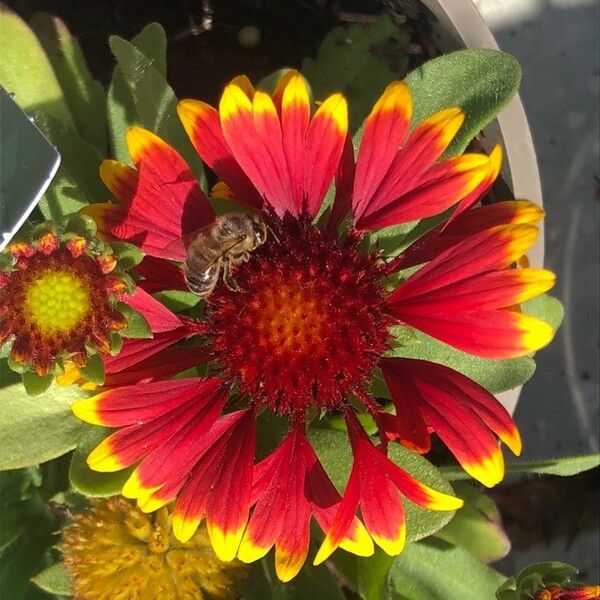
(556, 42)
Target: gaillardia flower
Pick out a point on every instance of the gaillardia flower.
(114, 548)
(58, 298)
(316, 310)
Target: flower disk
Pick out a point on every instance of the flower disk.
(115, 547)
(308, 325)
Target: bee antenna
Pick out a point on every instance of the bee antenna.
(273, 234)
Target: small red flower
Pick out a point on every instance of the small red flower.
(57, 303)
(312, 319)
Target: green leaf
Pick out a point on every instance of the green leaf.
(94, 369)
(34, 384)
(494, 375)
(26, 71)
(565, 467)
(333, 449)
(547, 308)
(23, 560)
(477, 526)
(137, 326)
(311, 582)
(177, 300)
(368, 575)
(120, 107)
(359, 60)
(438, 571)
(480, 81)
(83, 94)
(34, 430)
(54, 580)
(531, 579)
(93, 483)
(154, 100)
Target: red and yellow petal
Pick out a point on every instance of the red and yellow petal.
(295, 117)
(460, 179)
(109, 217)
(384, 133)
(120, 179)
(489, 250)
(202, 124)
(167, 203)
(467, 224)
(140, 403)
(424, 146)
(219, 485)
(260, 157)
(325, 141)
(488, 291)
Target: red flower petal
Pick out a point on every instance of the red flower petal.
(253, 133)
(167, 203)
(371, 485)
(295, 116)
(447, 235)
(324, 145)
(202, 124)
(385, 130)
(219, 486)
(160, 365)
(461, 412)
(160, 275)
(120, 179)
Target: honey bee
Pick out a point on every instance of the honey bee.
(225, 242)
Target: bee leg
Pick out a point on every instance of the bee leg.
(228, 280)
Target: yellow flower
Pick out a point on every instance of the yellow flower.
(113, 551)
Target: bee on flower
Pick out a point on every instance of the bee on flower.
(311, 317)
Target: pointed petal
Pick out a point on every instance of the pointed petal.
(487, 291)
(295, 116)
(469, 223)
(229, 501)
(381, 509)
(158, 316)
(140, 403)
(202, 124)
(282, 513)
(486, 251)
(325, 140)
(120, 179)
(384, 132)
(343, 519)
(325, 500)
(163, 364)
(490, 334)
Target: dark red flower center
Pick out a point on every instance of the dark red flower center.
(308, 324)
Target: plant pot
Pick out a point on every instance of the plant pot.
(459, 25)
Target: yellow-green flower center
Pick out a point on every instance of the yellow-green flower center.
(57, 301)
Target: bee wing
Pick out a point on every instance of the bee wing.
(226, 250)
(177, 249)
